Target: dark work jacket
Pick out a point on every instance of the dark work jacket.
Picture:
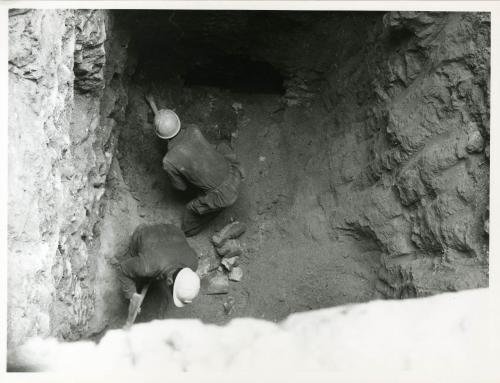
(192, 159)
(155, 252)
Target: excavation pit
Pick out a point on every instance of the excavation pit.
(364, 137)
(292, 261)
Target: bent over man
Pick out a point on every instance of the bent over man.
(192, 160)
(159, 252)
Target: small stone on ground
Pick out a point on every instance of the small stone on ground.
(217, 283)
(233, 230)
(236, 274)
(229, 305)
(229, 263)
(231, 248)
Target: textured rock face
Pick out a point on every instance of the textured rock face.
(60, 150)
(396, 107)
(338, 339)
(410, 116)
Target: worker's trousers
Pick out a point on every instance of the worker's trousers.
(207, 206)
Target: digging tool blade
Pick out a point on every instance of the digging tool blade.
(135, 310)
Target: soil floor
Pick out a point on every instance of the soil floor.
(287, 266)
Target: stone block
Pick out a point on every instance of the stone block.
(217, 283)
(229, 263)
(231, 248)
(236, 274)
(233, 230)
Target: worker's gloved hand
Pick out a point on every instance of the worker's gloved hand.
(149, 97)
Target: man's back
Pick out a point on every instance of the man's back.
(158, 252)
(193, 159)
(160, 248)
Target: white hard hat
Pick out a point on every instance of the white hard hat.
(167, 124)
(186, 287)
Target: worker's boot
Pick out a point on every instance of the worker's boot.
(233, 230)
(193, 223)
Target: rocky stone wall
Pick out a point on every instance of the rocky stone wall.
(61, 142)
(408, 116)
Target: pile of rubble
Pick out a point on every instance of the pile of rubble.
(223, 265)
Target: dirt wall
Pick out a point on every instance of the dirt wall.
(408, 117)
(65, 96)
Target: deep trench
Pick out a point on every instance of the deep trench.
(363, 137)
(228, 72)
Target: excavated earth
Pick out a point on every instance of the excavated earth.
(364, 137)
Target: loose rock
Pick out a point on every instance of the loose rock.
(233, 230)
(475, 142)
(218, 283)
(236, 274)
(232, 248)
(229, 305)
(229, 263)
(237, 107)
(206, 265)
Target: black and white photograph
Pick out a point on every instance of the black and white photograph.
(210, 188)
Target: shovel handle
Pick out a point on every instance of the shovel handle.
(152, 104)
(133, 315)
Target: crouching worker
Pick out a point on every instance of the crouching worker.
(160, 253)
(192, 160)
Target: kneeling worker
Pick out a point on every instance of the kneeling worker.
(159, 252)
(192, 160)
